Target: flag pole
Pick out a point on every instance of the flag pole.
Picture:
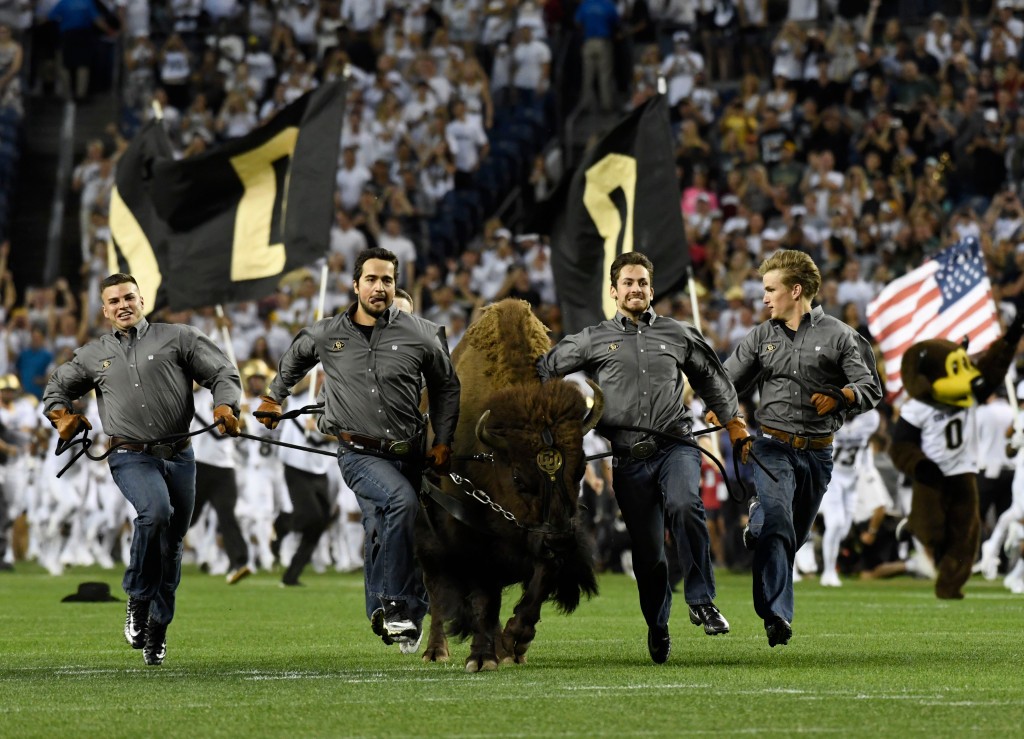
(694, 306)
(229, 348)
(318, 316)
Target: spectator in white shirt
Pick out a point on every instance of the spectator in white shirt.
(346, 239)
(853, 288)
(532, 67)
(489, 277)
(351, 178)
(680, 67)
(392, 239)
(468, 142)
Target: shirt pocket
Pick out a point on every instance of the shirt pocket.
(827, 358)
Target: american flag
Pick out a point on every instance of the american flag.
(948, 297)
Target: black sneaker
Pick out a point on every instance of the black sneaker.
(712, 619)
(156, 643)
(398, 622)
(136, 616)
(377, 624)
(659, 644)
(779, 631)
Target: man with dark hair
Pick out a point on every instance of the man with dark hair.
(143, 375)
(373, 357)
(812, 372)
(638, 359)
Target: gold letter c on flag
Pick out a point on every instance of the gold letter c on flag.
(252, 255)
(614, 171)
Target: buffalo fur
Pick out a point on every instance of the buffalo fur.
(466, 567)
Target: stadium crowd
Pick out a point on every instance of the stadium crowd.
(867, 139)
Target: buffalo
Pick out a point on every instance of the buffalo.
(510, 513)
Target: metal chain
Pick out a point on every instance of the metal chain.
(481, 497)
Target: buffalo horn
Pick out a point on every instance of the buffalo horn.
(595, 413)
(485, 436)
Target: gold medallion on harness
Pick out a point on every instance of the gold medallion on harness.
(549, 461)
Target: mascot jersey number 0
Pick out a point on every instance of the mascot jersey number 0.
(935, 444)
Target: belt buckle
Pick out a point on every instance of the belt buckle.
(643, 449)
(398, 448)
(800, 442)
(161, 451)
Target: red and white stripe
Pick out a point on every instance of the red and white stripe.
(907, 311)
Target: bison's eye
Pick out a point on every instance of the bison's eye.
(522, 486)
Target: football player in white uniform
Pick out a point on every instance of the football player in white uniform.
(851, 455)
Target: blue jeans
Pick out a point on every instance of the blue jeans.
(388, 495)
(664, 489)
(163, 493)
(789, 508)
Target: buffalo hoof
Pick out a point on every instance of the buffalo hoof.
(484, 664)
(436, 654)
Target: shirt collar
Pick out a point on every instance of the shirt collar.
(624, 321)
(389, 315)
(814, 316)
(140, 329)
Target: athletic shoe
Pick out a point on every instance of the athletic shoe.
(398, 622)
(779, 631)
(659, 644)
(831, 579)
(410, 645)
(238, 574)
(712, 619)
(156, 643)
(377, 625)
(136, 616)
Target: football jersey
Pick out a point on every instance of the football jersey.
(949, 435)
(850, 445)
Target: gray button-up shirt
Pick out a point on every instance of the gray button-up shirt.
(373, 387)
(143, 379)
(824, 352)
(640, 370)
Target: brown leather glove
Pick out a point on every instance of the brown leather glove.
(439, 458)
(67, 423)
(224, 416)
(737, 428)
(711, 419)
(826, 404)
(269, 405)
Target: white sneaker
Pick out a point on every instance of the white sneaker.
(988, 566)
(1015, 586)
(408, 645)
(831, 580)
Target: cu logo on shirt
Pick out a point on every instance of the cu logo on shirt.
(769, 347)
(612, 347)
(106, 363)
(337, 346)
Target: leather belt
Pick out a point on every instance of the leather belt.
(646, 448)
(374, 445)
(160, 451)
(799, 442)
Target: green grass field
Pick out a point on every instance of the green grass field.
(257, 660)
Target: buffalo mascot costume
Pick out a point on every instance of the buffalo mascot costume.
(935, 444)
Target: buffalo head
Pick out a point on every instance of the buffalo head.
(536, 433)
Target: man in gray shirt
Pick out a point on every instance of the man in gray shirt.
(812, 371)
(374, 356)
(638, 359)
(143, 375)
